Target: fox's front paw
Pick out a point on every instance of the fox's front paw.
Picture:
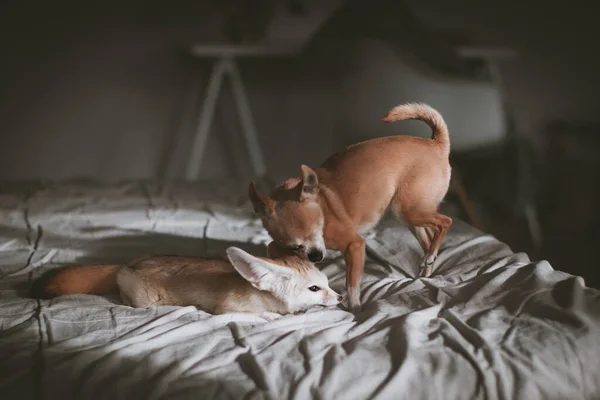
(270, 316)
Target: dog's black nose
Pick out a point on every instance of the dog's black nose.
(315, 255)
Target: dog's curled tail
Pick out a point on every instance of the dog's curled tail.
(424, 113)
(80, 279)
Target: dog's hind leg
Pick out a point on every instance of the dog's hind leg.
(422, 236)
(432, 222)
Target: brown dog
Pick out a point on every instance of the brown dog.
(330, 207)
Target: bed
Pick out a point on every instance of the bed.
(489, 324)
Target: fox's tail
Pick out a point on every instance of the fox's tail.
(425, 113)
(80, 279)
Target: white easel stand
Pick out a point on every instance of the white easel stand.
(225, 65)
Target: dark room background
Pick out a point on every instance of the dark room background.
(108, 91)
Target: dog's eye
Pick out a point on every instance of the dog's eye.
(314, 288)
(298, 247)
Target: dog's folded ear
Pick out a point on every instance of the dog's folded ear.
(310, 183)
(263, 205)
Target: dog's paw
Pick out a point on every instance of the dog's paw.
(354, 304)
(426, 268)
(355, 309)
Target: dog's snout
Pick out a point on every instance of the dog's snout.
(315, 255)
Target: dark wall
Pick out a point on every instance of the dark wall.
(107, 92)
(90, 90)
(555, 74)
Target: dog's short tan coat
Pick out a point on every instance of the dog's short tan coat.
(331, 206)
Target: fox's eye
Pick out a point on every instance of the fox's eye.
(298, 247)
(314, 288)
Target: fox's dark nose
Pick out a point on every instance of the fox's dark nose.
(315, 255)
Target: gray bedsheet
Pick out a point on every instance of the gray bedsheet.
(489, 324)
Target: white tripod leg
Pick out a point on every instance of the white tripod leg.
(206, 117)
(248, 128)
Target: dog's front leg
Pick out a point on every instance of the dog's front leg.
(354, 256)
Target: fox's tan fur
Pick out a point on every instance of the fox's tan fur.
(331, 206)
(213, 285)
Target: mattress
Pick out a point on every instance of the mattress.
(489, 323)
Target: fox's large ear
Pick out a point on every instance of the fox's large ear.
(310, 183)
(263, 205)
(261, 274)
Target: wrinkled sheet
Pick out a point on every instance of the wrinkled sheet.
(489, 324)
